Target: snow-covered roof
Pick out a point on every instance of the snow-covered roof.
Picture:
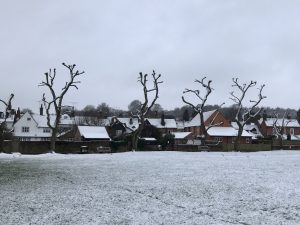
(252, 129)
(181, 135)
(131, 123)
(287, 122)
(169, 123)
(41, 120)
(226, 132)
(195, 122)
(148, 139)
(93, 132)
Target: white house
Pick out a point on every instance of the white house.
(33, 127)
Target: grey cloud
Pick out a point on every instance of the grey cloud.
(114, 40)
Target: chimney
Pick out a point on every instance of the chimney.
(298, 115)
(41, 110)
(163, 122)
(130, 121)
(17, 115)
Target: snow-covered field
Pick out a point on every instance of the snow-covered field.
(151, 188)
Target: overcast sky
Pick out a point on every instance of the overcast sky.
(183, 40)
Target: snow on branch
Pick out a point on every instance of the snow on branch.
(146, 106)
(243, 88)
(199, 107)
(279, 127)
(8, 105)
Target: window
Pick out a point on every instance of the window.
(292, 131)
(25, 129)
(247, 140)
(46, 130)
(28, 119)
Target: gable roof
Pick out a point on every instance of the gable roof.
(156, 122)
(93, 132)
(169, 123)
(287, 122)
(195, 122)
(41, 120)
(127, 123)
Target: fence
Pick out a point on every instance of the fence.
(40, 147)
(292, 145)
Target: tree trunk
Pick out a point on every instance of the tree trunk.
(280, 142)
(135, 137)
(203, 130)
(238, 139)
(53, 140)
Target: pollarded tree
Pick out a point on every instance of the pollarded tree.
(246, 113)
(145, 106)
(279, 127)
(199, 108)
(3, 128)
(56, 98)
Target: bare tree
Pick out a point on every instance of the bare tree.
(57, 98)
(7, 110)
(146, 106)
(199, 108)
(279, 127)
(246, 113)
(8, 106)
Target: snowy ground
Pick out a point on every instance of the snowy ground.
(151, 188)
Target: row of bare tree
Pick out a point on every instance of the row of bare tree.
(151, 94)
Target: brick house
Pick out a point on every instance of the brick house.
(224, 133)
(209, 117)
(291, 127)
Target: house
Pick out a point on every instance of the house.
(165, 126)
(251, 128)
(121, 126)
(118, 127)
(33, 127)
(227, 135)
(182, 137)
(291, 127)
(210, 117)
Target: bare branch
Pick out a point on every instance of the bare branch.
(250, 112)
(57, 97)
(147, 104)
(8, 105)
